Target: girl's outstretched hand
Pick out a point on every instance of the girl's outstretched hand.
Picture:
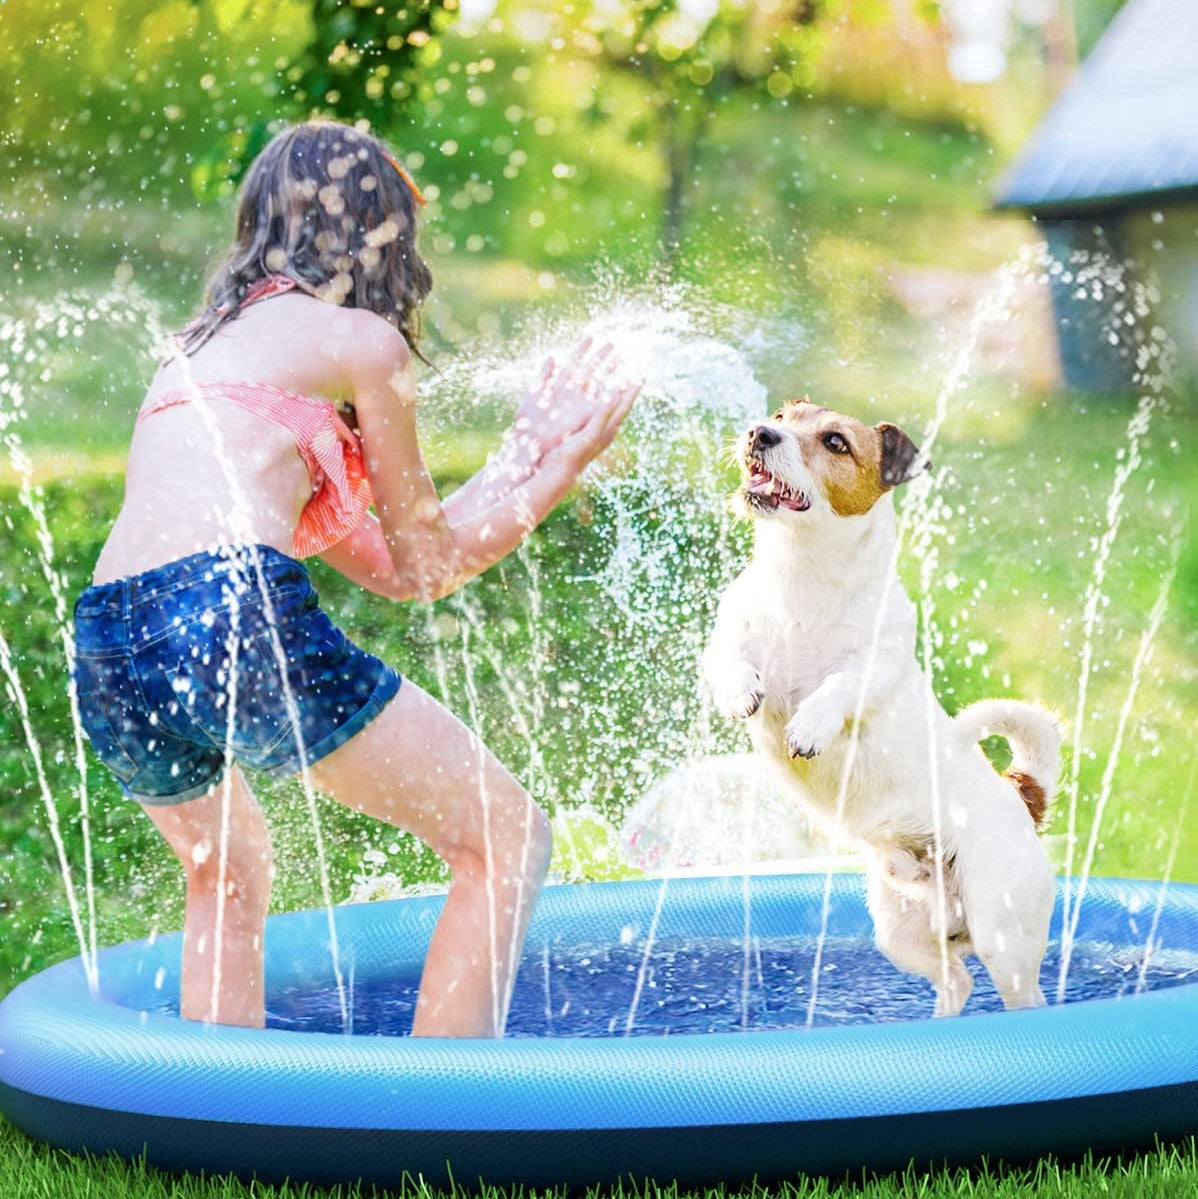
(607, 413)
(574, 397)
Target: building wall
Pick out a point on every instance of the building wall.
(1165, 243)
(1097, 348)
(1156, 249)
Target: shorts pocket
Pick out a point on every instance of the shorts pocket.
(204, 692)
(98, 688)
(258, 685)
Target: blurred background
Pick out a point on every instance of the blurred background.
(976, 218)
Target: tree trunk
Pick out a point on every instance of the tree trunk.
(680, 146)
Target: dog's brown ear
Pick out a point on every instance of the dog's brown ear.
(901, 459)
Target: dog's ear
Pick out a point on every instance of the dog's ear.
(901, 459)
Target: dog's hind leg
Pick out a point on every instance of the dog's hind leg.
(903, 931)
(1012, 959)
(953, 987)
(1008, 917)
(1018, 987)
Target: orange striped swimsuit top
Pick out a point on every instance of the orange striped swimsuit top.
(329, 448)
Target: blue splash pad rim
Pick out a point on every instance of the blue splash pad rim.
(59, 1042)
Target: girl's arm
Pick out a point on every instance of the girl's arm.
(558, 406)
(420, 549)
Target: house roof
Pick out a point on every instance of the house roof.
(1125, 132)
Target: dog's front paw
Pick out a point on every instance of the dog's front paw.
(740, 694)
(810, 730)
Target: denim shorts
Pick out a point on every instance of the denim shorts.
(217, 658)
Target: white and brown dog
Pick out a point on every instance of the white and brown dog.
(814, 646)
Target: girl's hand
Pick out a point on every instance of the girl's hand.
(586, 443)
(564, 400)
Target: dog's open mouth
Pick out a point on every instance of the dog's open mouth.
(764, 491)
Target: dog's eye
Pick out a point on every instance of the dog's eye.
(778, 414)
(836, 443)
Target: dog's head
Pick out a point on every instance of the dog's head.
(807, 463)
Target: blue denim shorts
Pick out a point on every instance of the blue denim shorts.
(217, 658)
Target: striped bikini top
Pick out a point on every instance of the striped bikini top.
(329, 448)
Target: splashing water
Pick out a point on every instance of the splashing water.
(28, 341)
(1151, 944)
(645, 591)
(1108, 774)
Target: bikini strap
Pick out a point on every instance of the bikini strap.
(272, 285)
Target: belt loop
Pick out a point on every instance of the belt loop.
(237, 571)
(244, 577)
(127, 609)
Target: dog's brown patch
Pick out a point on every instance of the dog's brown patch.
(853, 482)
(1032, 794)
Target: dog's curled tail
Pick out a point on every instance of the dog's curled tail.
(1034, 734)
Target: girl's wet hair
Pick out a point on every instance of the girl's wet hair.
(326, 205)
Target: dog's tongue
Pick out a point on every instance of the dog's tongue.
(768, 487)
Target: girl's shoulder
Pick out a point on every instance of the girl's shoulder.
(367, 343)
(289, 333)
(368, 329)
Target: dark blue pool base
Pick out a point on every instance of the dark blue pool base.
(691, 1156)
(113, 1073)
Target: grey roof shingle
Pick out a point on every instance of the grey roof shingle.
(1126, 130)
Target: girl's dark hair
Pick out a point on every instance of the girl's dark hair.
(325, 205)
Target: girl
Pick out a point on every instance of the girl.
(285, 410)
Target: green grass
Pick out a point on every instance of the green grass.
(29, 1170)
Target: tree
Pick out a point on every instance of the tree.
(691, 55)
(365, 61)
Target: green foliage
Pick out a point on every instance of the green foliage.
(369, 61)
(170, 101)
(687, 62)
(114, 92)
(686, 54)
(364, 63)
(1091, 18)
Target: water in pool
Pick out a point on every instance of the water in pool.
(710, 986)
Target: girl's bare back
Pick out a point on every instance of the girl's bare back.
(207, 473)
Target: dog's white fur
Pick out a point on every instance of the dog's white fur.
(814, 647)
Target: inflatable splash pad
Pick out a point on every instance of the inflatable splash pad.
(659, 1029)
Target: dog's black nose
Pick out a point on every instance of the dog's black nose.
(763, 437)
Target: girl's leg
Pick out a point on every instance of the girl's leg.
(417, 766)
(223, 843)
